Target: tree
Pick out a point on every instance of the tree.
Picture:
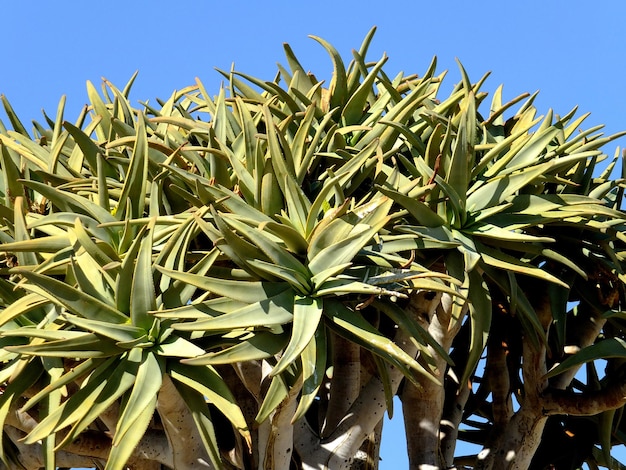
(247, 280)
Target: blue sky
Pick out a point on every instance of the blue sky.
(571, 51)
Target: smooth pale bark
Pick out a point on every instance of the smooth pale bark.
(346, 382)
(367, 457)
(338, 450)
(276, 434)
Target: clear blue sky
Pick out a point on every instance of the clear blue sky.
(572, 51)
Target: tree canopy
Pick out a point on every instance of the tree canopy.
(248, 279)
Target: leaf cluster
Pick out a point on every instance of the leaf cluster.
(174, 239)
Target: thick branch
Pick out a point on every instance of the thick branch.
(31, 456)
(422, 406)
(451, 419)
(345, 383)
(187, 448)
(512, 445)
(562, 402)
(276, 433)
(337, 451)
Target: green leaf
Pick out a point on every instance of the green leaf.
(341, 286)
(125, 278)
(15, 121)
(11, 175)
(307, 313)
(355, 107)
(89, 150)
(24, 258)
(338, 87)
(499, 188)
(73, 375)
(276, 310)
(120, 454)
(301, 139)
(480, 318)
(143, 295)
(343, 251)
(206, 381)
(362, 332)
(292, 239)
(313, 359)
(420, 336)
(605, 349)
(114, 331)
(276, 253)
(142, 399)
(69, 202)
(74, 300)
(22, 306)
(27, 373)
(83, 346)
(527, 155)
(102, 387)
(300, 283)
(202, 417)
(462, 158)
(276, 393)
(422, 213)
(135, 182)
(94, 249)
(51, 244)
(506, 262)
(489, 231)
(262, 345)
(231, 244)
(175, 346)
(100, 109)
(243, 291)
(54, 369)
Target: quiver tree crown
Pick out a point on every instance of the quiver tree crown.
(218, 257)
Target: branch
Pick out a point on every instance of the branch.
(276, 433)
(513, 444)
(187, 449)
(562, 402)
(337, 451)
(345, 383)
(422, 406)
(31, 456)
(454, 404)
